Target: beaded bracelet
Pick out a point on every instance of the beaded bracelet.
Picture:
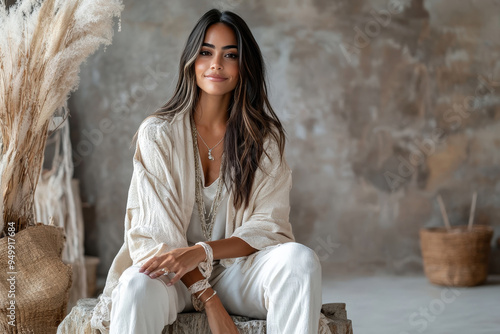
(206, 266)
(198, 286)
(197, 304)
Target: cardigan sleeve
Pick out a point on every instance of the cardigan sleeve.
(153, 217)
(152, 223)
(269, 224)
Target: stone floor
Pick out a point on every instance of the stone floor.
(410, 305)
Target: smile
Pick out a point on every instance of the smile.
(215, 79)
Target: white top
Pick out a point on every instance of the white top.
(194, 232)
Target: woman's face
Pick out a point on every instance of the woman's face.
(216, 67)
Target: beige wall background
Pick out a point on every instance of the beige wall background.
(386, 104)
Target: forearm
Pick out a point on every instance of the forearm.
(222, 249)
(192, 277)
(230, 248)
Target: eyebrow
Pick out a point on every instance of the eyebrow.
(223, 48)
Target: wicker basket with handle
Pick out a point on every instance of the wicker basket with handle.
(457, 256)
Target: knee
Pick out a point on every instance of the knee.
(300, 258)
(298, 272)
(142, 288)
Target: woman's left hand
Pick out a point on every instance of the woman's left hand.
(179, 261)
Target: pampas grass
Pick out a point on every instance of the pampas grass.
(42, 44)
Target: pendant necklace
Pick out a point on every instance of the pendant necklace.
(210, 156)
(207, 224)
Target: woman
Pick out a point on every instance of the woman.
(207, 223)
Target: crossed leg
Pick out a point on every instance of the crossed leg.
(283, 286)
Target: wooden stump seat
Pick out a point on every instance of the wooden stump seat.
(78, 321)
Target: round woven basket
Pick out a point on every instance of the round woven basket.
(39, 284)
(456, 257)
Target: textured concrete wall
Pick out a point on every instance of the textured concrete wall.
(386, 104)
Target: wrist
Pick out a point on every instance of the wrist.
(201, 299)
(204, 294)
(202, 256)
(213, 303)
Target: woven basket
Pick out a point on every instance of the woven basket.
(456, 257)
(42, 281)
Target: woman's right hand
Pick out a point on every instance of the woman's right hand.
(218, 319)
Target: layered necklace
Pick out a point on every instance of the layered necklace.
(207, 222)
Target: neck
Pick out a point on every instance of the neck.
(211, 111)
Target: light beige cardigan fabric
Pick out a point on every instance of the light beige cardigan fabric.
(161, 199)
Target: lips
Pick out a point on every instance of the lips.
(215, 77)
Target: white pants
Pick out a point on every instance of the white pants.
(283, 286)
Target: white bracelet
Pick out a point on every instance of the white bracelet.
(198, 304)
(206, 266)
(198, 286)
(215, 292)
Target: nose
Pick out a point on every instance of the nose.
(217, 62)
(216, 66)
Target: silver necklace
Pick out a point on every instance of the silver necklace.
(210, 156)
(207, 224)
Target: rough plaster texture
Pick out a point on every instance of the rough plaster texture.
(383, 110)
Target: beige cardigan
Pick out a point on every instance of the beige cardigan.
(161, 199)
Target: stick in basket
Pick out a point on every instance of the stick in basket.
(472, 211)
(443, 213)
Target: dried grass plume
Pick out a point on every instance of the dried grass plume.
(42, 44)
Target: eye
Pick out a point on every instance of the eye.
(232, 55)
(204, 53)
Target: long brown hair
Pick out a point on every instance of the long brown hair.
(251, 117)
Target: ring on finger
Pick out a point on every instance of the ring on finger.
(165, 271)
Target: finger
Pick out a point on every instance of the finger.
(158, 269)
(155, 274)
(176, 279)
(147, 264)
(152, 266)
(158, 272)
